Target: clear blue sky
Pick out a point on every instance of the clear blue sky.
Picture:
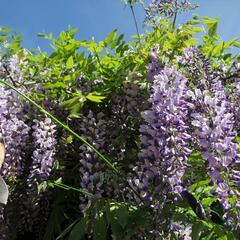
(98, 17)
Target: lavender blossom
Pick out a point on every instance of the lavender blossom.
(14, 69)
(164, 139)
(154, 65)
(91, 167)
(43, 155)
(14, 133)
(234, 96)
(197, 68)
(214, 127)
(40, 169)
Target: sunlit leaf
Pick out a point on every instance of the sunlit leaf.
(69, 63)
(95, 97)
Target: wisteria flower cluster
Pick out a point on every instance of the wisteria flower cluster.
(183, 115)
(30, 150)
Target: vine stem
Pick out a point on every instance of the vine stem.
(66, 187)
(135, 21)
(174, 19)
(175, 15)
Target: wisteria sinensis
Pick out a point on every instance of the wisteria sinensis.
(213, 122)
(164, 137)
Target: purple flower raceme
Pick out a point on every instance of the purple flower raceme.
(154, 65)
(29, 153)
(124, 119)
(93, 128)
(13, 129)
(14, 133)
(126, 106)
(164, 139)
(197, 68)
(44, 144)
(14, 70)
(234, 96)
(43, 155)
(213, 122)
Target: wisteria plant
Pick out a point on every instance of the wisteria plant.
(122, 139)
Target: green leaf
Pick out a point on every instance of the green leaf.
(197, 29)
(117, 230)
(5, 30)
(212, 25)
(99, 229)
(79, 230)
(237, 44)
(56, 218)
(95, 97)
(219, 231)
(238, 140)
(231, 42)
(195, 16)
(69, 63)
(111, 37)
(42, 35)
(42, 186)
(208, 200)
(217, 50)
(69, 139)
(121, 215)
(67, 78)
(55, 85)
(199, 184)
(73, 103)
(222, 238)
(66, 231)
(196, 230)
(108, 212)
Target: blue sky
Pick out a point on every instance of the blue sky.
(98, 17)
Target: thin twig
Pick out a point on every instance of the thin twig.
(9, 75)
(174, 19)
(135, 21)
(175, 15)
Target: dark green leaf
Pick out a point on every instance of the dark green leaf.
(79, 230)
(121, 215)
(196, 230)
(99, 229)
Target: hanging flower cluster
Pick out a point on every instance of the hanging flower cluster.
(91, 167)
(30, 150)
(184, 116)
(39, 170)
(164, 139)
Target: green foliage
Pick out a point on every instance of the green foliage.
(102, 216)
(84, 74)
